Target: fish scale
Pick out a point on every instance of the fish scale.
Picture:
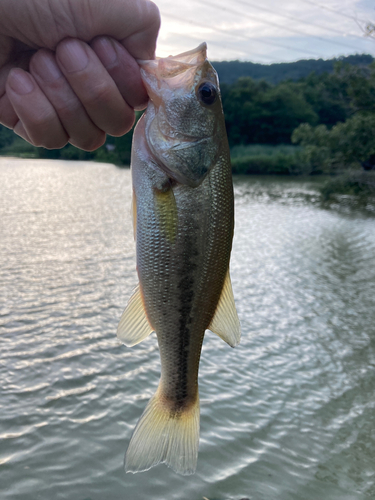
(184, 219)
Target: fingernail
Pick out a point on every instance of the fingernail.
(73, 56)
(20, 82)
(47, 68)
(106, 51)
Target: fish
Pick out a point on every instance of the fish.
(183, 220)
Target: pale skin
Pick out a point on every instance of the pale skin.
(68, 70)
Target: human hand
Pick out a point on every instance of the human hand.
(68, 70)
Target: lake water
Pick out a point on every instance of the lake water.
(287, 415)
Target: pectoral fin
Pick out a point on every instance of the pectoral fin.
(134, 326)
(225, 322)
(166, 210)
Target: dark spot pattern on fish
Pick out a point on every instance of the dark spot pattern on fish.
(186, 298)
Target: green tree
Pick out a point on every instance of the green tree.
(328, 96)
(345, 145)
(258, 112)
(361, 87)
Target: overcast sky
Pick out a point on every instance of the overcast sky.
(266, 31)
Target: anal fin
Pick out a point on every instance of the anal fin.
(134, 326)
(225, 322)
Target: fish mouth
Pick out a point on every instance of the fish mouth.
(173, 72)
(168, 67)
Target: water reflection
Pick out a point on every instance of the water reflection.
(289, 414)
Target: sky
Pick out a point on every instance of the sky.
(266, 31)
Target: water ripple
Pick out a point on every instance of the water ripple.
(287, 415)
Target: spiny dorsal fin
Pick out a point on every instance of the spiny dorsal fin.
(225, 322)
(134, 326)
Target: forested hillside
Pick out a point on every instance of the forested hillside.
(230, 71)
(258, 112)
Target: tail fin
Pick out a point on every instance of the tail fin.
(163, 436)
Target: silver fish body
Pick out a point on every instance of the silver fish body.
(184, 218)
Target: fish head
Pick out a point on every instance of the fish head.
(184, 120)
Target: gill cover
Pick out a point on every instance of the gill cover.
(184, 120)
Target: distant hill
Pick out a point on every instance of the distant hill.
(230, 71)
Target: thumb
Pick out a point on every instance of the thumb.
(135, 23)
(44, 23)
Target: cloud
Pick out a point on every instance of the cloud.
(268, 31)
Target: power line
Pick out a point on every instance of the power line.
(194, 23)
(218, 44)
(332, 30)
(208, 40)
(270, 23)
(353, 18)
(242, 37)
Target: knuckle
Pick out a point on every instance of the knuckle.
(102, 92)
(68, 110)
(45, 130)
(41, 120)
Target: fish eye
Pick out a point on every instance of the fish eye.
(207, 93)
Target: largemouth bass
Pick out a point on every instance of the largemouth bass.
(183, 217)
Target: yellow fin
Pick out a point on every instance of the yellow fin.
(225, 322)
(166, 208)
(134, 326)
(163, 436)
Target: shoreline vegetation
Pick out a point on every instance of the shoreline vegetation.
(353, 187)
(294, 119)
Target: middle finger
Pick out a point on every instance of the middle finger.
(82, 132)
(94, 87)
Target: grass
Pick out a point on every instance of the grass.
(262, 150)
(265, 159)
